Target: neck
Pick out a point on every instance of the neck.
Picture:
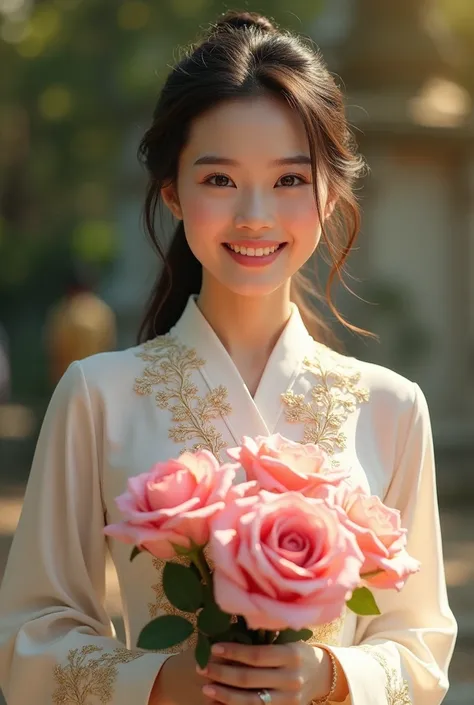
(247, 326)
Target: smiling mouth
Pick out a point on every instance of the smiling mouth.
(255, 251)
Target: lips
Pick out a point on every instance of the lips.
(254, 253)
(260, 248)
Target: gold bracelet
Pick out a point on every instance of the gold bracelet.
(323, 701)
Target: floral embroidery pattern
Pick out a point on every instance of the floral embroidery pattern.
(83, 678)
(170, 368)
(396, 688)
(335, 395)
(327, 633)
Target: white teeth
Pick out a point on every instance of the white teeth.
(254, 252)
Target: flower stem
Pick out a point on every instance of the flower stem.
(199, 560)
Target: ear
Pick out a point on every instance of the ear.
(170, 198)
(330, 206)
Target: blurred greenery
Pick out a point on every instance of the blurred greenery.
(459, 17)
(79, 75)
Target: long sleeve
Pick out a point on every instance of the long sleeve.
(57, 643)
(402, 656)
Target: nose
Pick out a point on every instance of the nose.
(254, 212)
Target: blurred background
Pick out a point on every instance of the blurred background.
(78, 82)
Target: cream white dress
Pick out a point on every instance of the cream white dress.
(114, 415)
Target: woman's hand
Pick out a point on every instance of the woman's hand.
(178, 682)
(294, 674)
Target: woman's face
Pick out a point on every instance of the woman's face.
(245, 194)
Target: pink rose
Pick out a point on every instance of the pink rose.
(173, 503)
(283, 561)
(379, 535)
(280, 465)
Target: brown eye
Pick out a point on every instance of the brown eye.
(219, 180)
(291, 180)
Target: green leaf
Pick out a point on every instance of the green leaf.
(236, 635)
(288, 636)
(212, 620)
(270, 636)
(208, 595)
(202, 651)
(363, 602)
(164, 632)
(135, 553)
(181, 550)
(182, 587)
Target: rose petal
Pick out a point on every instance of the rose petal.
(157, 543)
(280, 465)
(176, 498)
(158, 516)
(231, 598)
(195, 524)
(224, 539)
(396, 571)
(246, 560)
(272, 614)
(168, 491)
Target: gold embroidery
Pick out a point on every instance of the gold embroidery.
(170, 367)
(329, 633)
(162, 606)
(83, 678)
(334, 396)
(397, 690)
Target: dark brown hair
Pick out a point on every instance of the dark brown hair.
(245, 55)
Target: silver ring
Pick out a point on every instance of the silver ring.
(265, 696)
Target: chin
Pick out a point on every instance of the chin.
(252, 289)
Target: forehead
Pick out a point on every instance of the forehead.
(248, 127)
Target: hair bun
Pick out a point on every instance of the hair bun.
(243, 20)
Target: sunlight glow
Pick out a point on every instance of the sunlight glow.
(440, 103)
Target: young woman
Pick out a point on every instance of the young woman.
(250, 150)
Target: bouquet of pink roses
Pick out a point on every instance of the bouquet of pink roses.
(291, 547)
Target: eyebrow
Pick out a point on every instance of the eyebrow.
(214, 159)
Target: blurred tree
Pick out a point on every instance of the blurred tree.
(78, 76)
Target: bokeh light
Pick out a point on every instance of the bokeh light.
(55, 103)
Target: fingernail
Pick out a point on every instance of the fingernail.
(200, 670)
(208, 690)
(218, 649)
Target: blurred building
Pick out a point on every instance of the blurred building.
(414, 123)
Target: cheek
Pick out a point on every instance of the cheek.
(201, 211)
(301, 220)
